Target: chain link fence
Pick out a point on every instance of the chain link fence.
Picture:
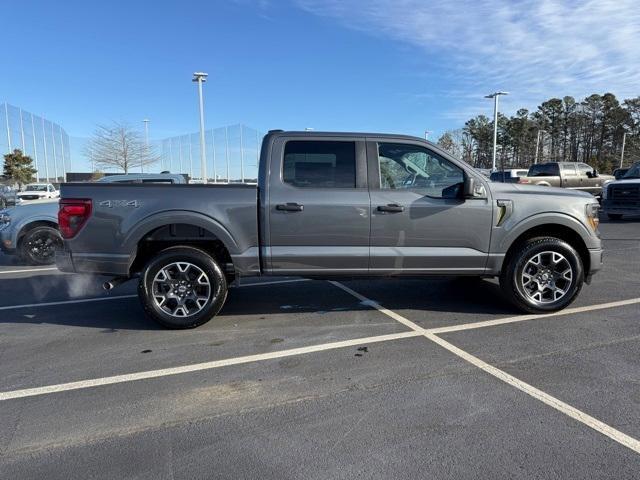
(42, 140)
(231, 153)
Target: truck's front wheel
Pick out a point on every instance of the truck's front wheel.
(544, 274)
(182, 287)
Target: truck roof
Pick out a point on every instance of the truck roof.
(314, 133)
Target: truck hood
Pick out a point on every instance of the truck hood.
(519, 189)
(624, 182)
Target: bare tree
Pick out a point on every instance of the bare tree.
(119, 146)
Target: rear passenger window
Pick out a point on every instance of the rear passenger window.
(317, 164)
(544, 170)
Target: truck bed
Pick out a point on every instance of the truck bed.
(123, 215)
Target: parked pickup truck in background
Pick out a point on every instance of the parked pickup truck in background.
(573, 175)
(331, 205)
(38, 191)
(622, 197)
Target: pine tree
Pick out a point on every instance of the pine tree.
(18, 167)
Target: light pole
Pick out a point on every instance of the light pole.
(624, 140)
(427, 133)
(535, 159)
(146, 144)
(200, 77)
(495, 96)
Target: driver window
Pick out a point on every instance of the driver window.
(411, 167)
(585, 169)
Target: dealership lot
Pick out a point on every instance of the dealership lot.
(299, 379)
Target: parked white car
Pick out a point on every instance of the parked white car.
(38, 191)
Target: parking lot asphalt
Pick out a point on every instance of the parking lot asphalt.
(314, 379)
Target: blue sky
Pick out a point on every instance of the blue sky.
(396, 66)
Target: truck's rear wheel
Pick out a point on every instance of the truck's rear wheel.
(545, 274)
(182, 287)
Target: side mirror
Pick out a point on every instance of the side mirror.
(595, 173)
(473, 188)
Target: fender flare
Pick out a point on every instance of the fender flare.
(546, 218)
(142, 228)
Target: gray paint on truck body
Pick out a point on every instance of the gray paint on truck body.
(339, 232)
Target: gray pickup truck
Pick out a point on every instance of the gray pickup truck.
(572, 175)
(622, 196)
(331, 205)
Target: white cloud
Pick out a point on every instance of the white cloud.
(534, 48)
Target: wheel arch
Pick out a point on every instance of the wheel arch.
(205, 235)
(557, 230)
(26, 228)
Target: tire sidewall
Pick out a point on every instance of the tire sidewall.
(529, 250)
(202, 260)
(24, 249)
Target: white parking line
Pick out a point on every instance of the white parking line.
(580, 416)
(373, 304)
(66, 302)
(101, 299)
(27, 270)
(524, 318)
(557, 404)
(164, 372)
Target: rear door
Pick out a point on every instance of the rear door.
(318, 206)
(570, 178)
(419, 221)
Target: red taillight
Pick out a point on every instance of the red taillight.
(72, 215)
(522, 180)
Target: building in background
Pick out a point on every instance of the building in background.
(44, 141)
(232, 154)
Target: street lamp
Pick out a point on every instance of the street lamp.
(495, 96)
(200, 77)
(624, 140)
(540, 130)
(426, 134)
(146, 144)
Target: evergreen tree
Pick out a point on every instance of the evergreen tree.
(18, 167)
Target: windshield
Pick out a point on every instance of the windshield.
(634, 172)
(36, 188)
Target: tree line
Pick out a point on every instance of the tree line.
(560, 130)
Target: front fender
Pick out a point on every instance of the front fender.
(511, 233)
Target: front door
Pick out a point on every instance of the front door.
(419, 221)
(318, 207)
(589, 182)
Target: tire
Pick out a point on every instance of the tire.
(38, 245)
(537, 288)
(182, 287)
(614, 216)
